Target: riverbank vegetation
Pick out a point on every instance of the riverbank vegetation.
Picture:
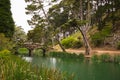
(15, 68)
(66, 55)
(68, 23)
(106, 58)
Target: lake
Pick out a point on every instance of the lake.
(82, 70)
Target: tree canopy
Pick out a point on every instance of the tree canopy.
(6, 20)
(65, 17)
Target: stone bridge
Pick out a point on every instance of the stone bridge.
(31, 46)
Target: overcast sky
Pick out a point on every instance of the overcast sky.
(18, 13)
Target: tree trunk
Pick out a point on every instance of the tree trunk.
(30, 52)
(86, 42)
(63, 49)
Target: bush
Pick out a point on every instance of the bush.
(5, 43)
(105, 58)
(117, 59)
(23, 51)
(71, 42)
(81, 56)
(67, 43)
(98, 38)
(66, 55)
(5, 54)
(38, 52)
(118, 45)
(95, 58)
(77, 44)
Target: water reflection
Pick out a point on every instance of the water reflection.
(83, 70)
(53, 62)
(28, 59)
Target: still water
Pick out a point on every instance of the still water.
(82, 70)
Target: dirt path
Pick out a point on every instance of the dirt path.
(98, 52)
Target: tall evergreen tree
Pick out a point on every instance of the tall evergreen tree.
(6, 20)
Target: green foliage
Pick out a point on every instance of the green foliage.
(81, 56)
(98, 37)
(23, 51)
(117, 59)
(6, 20)
(77, 44)
(67, 43)
(38, 52)
(5, 43)
(105, 58)
(66, 55)
(5, 53)
(19, 34)
(118, 45)
(72, 41)
(16, 69)
(95, 58)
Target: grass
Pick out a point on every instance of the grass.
(66, 55)
(14, 68)
(106, 58)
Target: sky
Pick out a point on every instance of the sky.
(18, 13)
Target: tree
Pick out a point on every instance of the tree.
(80, 18)
(35, 8)
(106, 11)
(6, 20)
(19, 36)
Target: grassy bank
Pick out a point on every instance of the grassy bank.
(95, 58)
(66, 55)
(14, 68)
(106, 58)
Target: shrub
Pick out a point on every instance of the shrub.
(117, 58)
(81, 56)
(105, 58)
(77, 44)
(95, 58)
(98, 38)
(118, 45)
(67, 43)
(38, 52)
(71, 42)
(23, 51)
(66, 55)
(5, 43)
(5, 54)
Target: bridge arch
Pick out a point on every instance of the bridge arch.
(32, 46)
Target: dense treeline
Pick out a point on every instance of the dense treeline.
(6, 20)
(65, 17)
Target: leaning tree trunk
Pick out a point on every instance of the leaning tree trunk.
(63, 49)
(86, 42)
(61, 46)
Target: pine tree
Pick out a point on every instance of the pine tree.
(6, 20)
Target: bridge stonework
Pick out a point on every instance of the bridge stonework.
(31, 46)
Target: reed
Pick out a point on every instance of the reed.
(66, 55)
(14, 68)
(106, 58)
